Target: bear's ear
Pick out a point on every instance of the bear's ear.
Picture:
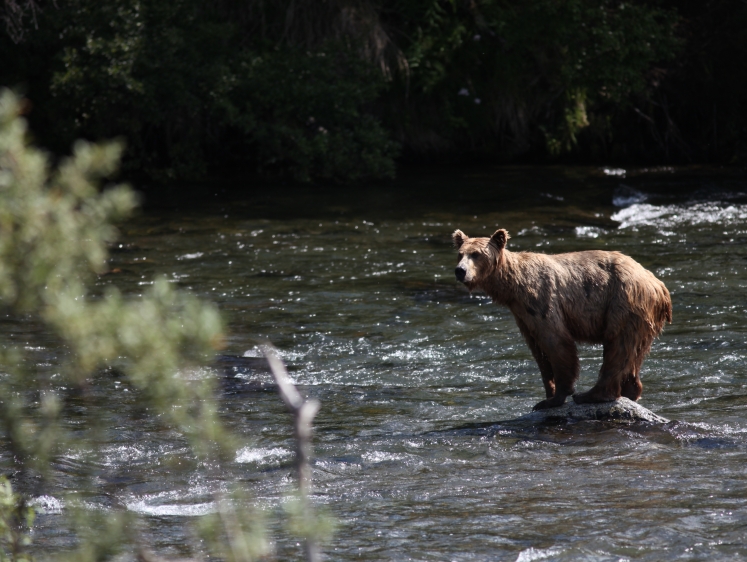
(499, 238)
(458, 237)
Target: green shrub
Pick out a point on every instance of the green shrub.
(180, 83)
(55, 226)
(303, 111)
(321, 90)
(510, 77)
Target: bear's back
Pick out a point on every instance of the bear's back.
(588, 293)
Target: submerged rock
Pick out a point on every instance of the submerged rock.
(621, 409)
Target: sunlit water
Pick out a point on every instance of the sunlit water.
(415, 454)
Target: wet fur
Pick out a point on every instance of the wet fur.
(558, 300)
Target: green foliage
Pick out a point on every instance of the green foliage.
(233, 536)
(699, 112)
(302, 109)
(510, 75)
(15, 518)
(196, 87)
(54, 229)
(54, 234)
(180, 82)
(101, 535)
(147, 71)
(301, 523)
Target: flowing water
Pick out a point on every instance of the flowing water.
(416, 456)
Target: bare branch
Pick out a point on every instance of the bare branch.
(13, 12)
(303, 412)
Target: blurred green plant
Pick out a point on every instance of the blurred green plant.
(55, 227)
(15, 518)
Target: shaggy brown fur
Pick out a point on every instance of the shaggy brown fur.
(558, 300)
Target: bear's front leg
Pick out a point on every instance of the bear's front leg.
(545, 367)
(563, 357)
(554, 402)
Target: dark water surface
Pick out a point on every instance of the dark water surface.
(417, 378)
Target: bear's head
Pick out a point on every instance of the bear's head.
(478, 257)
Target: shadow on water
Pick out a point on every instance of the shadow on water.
(571, 191)
(576, 432)
(244, 375)
(463, 191)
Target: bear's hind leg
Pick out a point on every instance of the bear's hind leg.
(618, 366)
(632, 387)
(621, 366)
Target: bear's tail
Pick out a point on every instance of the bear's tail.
(653, 304)
(663, 306)
(666, 307)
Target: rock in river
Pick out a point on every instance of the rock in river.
(621, 409)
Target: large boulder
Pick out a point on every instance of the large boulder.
(621, 409)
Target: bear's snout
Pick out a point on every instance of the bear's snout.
(460, 273)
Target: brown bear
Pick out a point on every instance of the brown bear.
(558, 300)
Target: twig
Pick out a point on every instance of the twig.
(303, 414)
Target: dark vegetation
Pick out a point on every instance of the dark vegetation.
(341, 89)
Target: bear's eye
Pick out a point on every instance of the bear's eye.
(474, 255)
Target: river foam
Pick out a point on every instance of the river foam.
(636, 210)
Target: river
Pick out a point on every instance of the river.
(415, 456)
